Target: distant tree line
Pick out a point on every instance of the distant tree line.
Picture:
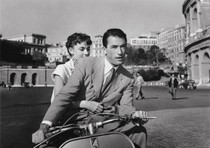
(139, 56)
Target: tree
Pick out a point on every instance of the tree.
(140, 57)
(12, 51)
(39, 58)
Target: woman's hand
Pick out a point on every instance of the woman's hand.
(92, 106)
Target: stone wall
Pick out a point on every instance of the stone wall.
(36, 77)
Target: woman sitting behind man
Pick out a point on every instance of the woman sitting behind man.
(78, 46)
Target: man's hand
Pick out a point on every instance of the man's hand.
(92, 106)
(142, 115)
(39, 135)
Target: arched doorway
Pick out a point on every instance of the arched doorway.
(206, 57)
(34, 77)
(12, 78)
(23, 78)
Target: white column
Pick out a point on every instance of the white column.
(200, 53)
(199, 14)
(191, 20)
(192, 65)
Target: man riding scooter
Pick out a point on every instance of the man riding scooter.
(97, 82)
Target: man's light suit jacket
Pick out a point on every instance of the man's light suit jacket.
(86, 84)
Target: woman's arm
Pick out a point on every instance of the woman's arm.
(58, 84)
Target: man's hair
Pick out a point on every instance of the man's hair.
(113, 32)
(138, 73)
(77, 38)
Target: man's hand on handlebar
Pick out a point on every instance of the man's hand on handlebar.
(39, 135)
(142, 115)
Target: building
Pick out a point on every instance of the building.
(58, 53)
(144, 41)
(173, 41)
(97, 47)
(31, 42)
(197, 48)
(17, 75)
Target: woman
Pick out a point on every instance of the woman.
(78, 46)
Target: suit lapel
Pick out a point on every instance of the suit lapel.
(98, 76)
(117, 81)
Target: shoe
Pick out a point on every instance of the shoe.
(142, 98)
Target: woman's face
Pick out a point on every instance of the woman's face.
(80, 50)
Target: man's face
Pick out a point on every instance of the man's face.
(115, 50)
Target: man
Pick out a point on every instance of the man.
(173, 84)
(88, 83)
(139, 82)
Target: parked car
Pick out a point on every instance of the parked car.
(188, 84)
(2, 84)
(26, 85)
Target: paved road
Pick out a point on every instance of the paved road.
(181, 123)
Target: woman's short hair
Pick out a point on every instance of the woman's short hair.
(77, 38)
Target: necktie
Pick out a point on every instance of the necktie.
(108, 79)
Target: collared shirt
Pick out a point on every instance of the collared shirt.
(107, 69)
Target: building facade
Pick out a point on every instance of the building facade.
(173, 41)
(31, 42)
(17, 75)
(197, 49)
(58, 53)
(97, 47)
(145, 41)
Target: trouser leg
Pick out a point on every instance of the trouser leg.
(138, 136)
(140, 91)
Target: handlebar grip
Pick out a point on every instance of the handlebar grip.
(149, 118)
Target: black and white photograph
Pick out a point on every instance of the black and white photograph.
(105, 73)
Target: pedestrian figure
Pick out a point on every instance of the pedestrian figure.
(173, 84)
(139, 82)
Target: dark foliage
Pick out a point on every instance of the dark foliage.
(13, 52)
(152, 74)
(139, 56)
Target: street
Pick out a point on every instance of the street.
(180, 123)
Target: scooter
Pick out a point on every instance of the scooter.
(86, 133)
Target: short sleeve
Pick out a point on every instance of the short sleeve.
(60, 71)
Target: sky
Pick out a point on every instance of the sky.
(57, 19)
